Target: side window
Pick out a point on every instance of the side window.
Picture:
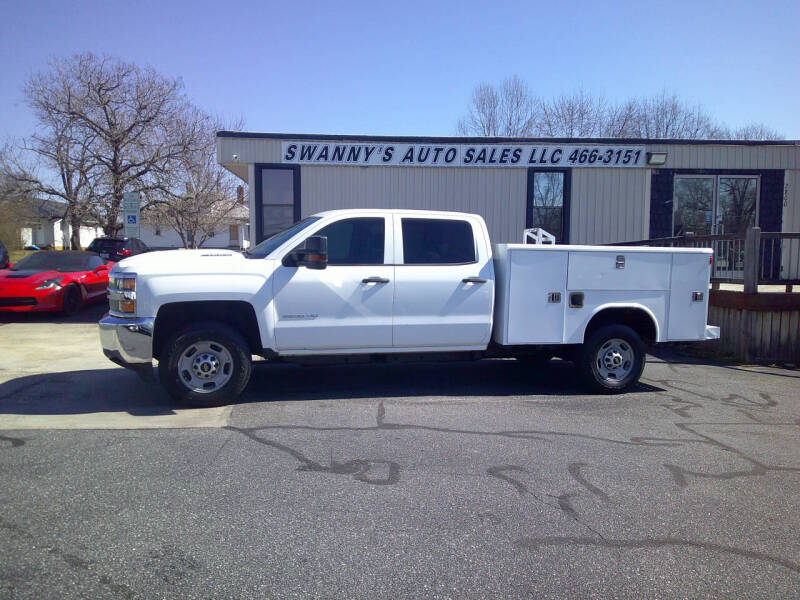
(94, 262)
(437, 241)
(355, 241)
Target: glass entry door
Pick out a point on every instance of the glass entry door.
(717, 205)
(736, 204)
(714, 204)
(693, 206)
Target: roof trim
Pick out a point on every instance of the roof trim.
(495, 139)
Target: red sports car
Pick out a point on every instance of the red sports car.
(53, 281)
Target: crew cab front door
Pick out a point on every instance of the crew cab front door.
(346, 306)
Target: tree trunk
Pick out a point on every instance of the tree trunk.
(75, 236)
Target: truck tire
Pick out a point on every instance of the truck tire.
(205, 364)
(612, 359)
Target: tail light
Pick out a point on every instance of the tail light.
(124, 252)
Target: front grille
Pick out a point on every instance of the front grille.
(17, 302)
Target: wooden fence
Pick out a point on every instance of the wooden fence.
(755, 325)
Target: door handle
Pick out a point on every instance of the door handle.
(473, 280)
(375, 280)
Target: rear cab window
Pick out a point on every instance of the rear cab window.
(437, 241)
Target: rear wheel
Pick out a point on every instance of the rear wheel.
(206, 364)
(71, 300)
(612, 360)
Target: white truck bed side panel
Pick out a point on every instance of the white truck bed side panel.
(687, 317)
(532, 319)
(598, 271)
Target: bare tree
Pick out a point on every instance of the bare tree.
(577, 115)
(752, 131)
(14, 207)
(507, 111)
(197, 196)
(123, 117)
(512, 110)
(665, 115)
(64, 152)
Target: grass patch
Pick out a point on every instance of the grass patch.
(16, 255)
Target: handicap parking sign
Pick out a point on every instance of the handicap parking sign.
(131, 219)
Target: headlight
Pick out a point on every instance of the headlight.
(122, 294)
(50, 284)
(123, 282)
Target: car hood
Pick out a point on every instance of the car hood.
(181, 262)
(32, 277)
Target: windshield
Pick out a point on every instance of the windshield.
(266, 247)
(54, 261)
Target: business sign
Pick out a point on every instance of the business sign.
(130, 217)
(462, 155)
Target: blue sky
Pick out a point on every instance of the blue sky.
(409, 68)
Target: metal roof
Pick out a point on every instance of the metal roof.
(496, 139)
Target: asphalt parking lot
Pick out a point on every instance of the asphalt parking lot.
(393, 481)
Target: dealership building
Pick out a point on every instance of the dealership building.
(584, 191)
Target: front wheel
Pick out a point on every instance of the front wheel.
(71, 300)
(205, 364)
(612, 359)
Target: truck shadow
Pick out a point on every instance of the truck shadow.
(83, 392)
(485, 378)
(119, 390)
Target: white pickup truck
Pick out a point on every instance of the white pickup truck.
(377, 284)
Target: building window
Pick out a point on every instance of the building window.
(277, 200)
(547, 199)
(158, 229)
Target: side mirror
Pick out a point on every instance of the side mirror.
(101, 268)
(314, 254)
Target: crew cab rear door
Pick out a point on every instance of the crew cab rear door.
(346, 306)
(444, 282)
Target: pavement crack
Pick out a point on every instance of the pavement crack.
(534, 543)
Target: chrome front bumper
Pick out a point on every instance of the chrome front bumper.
(127, 342)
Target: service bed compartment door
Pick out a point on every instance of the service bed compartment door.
(618, 270)
(537, 296)
(444, 290)
(687, 311)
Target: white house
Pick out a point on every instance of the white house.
(233, 231)
(45, 227)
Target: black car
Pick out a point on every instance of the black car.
(3, 256)
(115, 249)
